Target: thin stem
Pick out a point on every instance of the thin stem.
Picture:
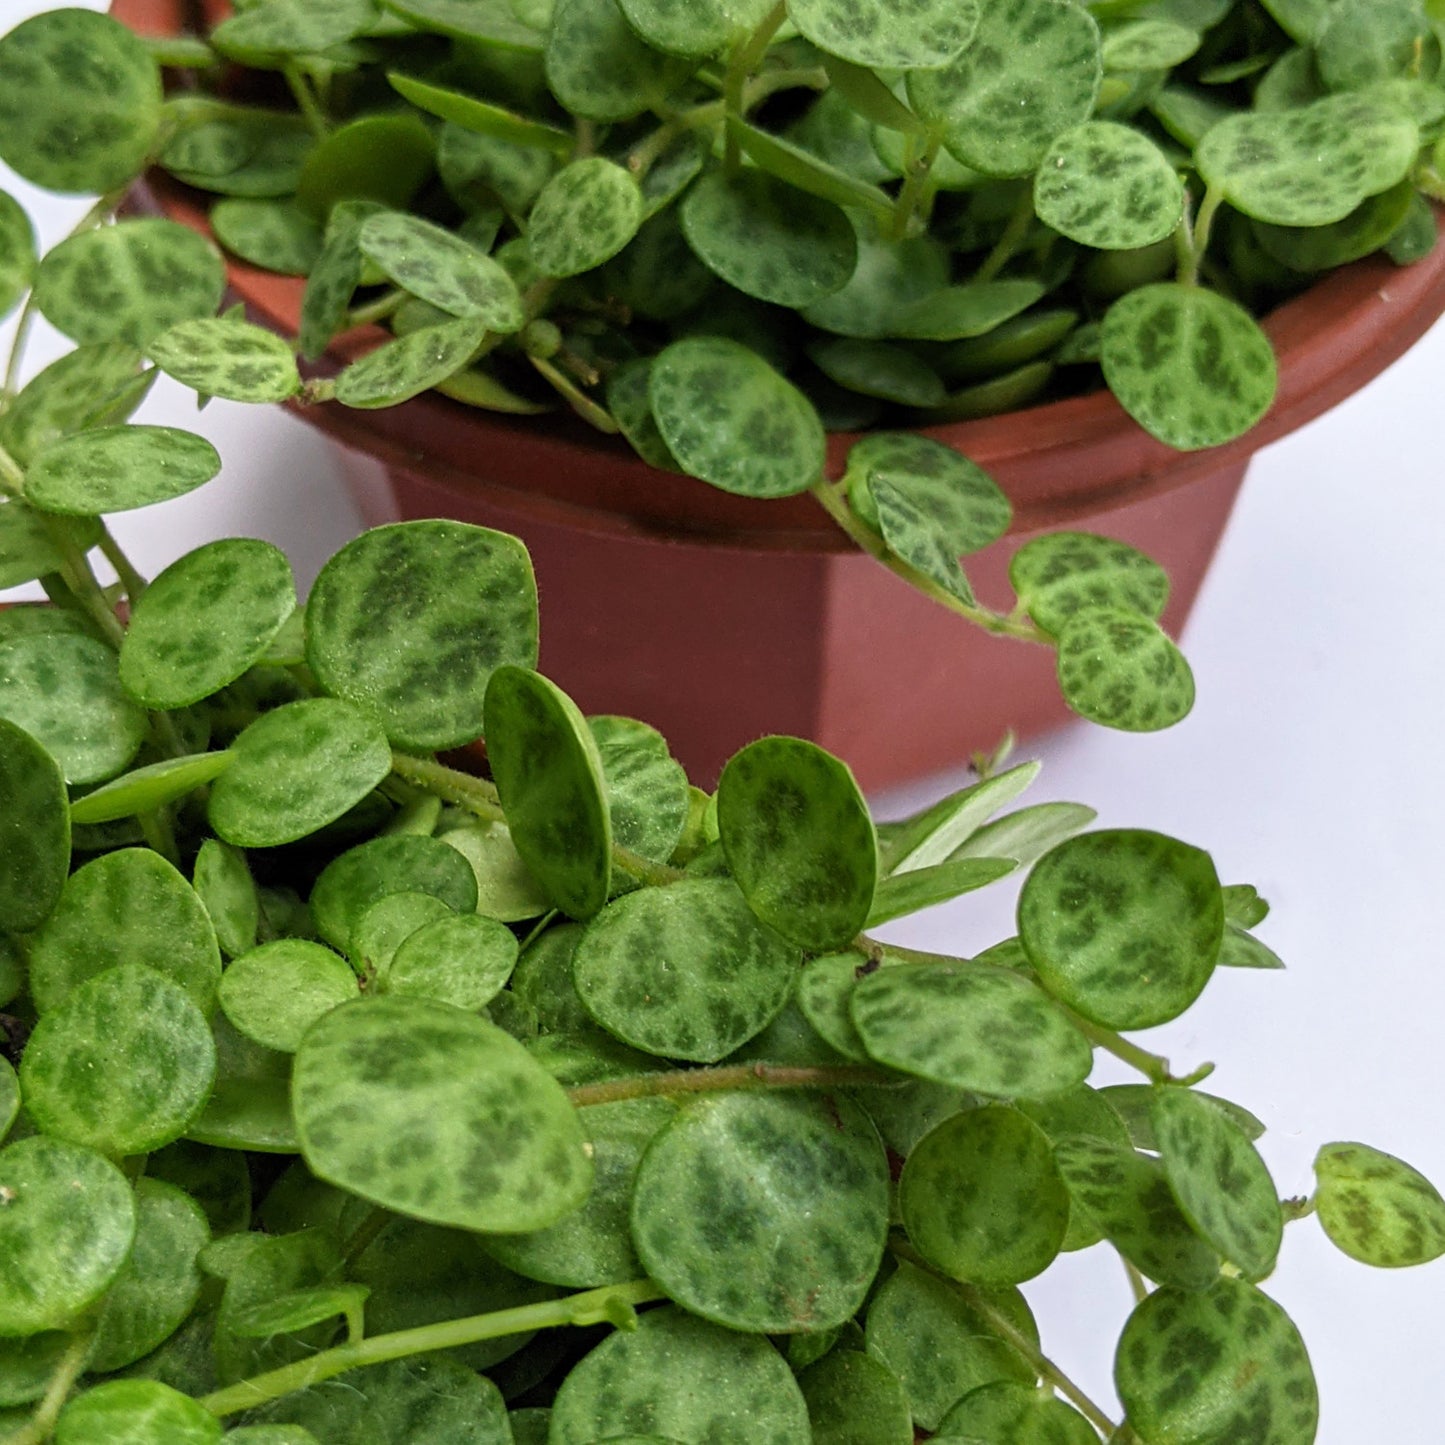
(1137, 1283)
(156, 829)
(725, 1079)
(42, 1423)
(366, 1232)
(377, 310)
(1154, 1067)
(306, 100)
(1191, 240)
(1006, 1330)
(644, 869)
(1011, 239)
(476, 795)
(915, 187)
(834, 503)
(610, 1304)
(130, 578)
(746, 57)
(17, 351)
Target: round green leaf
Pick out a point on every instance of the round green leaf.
(1312, 165)
(1149, 45)
(464, 960)
(1121, 670)
(34, 831)
(122, 1066)
(223, 882)
(117, 468)
(878, 368)
(226, 357)
(549, 776)
(955, 313)
(382, 158)
(732, 420)
(262, 35)
(647, 788)
(17, 252)
(275, 235)
(295, 769)
(506, 891)
(64, 398)
(680, 1378)
(1108, 186)
(409, 620)
(1221, 1183)
(1032, 71)
(799, 840)
(125, 907)
(1190, 366)
(1123, 925)
(694, 28)
(217, 1180)
(250, 1107)
(205, 620)
(326, 301)
(129, 281)
(160, 1283)
(274, 993)
(80, 102)
(685, 972)
(854, 1399)
(136, 1412)
(768, 238)
(597, 67)
(592, 1246)
(1216, 1365)
(1009, 1413)
(65, 1232)
(928, 33)
(825, 995)
(1374, 222)
(765, 1212)
(237, 150)
(972, 1026)
(889, 276)
(982, 1198)
(1376, 1208)
(442, 269)
(65, 692)
(584, 216)
(492, 1142)
(387, 924)
(1062, 573)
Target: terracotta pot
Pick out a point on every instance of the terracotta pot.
(719, 618)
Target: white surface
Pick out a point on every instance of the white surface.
(1311, 766)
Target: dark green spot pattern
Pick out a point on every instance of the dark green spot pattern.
(1376, 1208)
(117, 468)
(899, 36)
(1121, 670)
(442, 269)
(584, 216)
(1062, 573)
(1108, 186)
(34, 831)
(227, 358)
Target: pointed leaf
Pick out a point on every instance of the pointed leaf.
(442, 269)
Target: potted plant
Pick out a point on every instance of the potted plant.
(349, 1096)
(784, 163)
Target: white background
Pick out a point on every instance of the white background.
(1311, 766)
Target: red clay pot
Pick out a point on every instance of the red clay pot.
(719, 618)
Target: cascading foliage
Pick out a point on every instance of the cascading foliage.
(725, 228)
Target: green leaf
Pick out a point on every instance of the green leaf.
(1062, 573)
(1032, 71)
(217, 1180)
(1311, 166)
(1121, 670)
(479, 116)
(1108, 186)
(878, 368)
(1123, 925)
(63, 398)
(27, 1364)
(250, 1107)
(919, 888)
(387, 924)
(598, 68)
(934, 834)
(271, 1435)
(298, 1310)
(264, 35)
(295, 769)
(482, 170)
(80, 102)
(1376, 1208)
(954, 312)
(129, 281)
(464, 960)
(1213, 1365)
(442, 269)
(680, 1378)
(647, 788)
(122, 1066)
(333, 279)
(408, 621)
(159, 1284)
(825, 996)
(1356, 48)
(694, 28)
(871, 33)
(1149, 44)
(34, 831)
(854, 1398)
(492, 1143)
(224, 885)
(982, 1198)
(229, 358)
(399, 370)
(732, 420)
(205, 621)
(888, 277)
(938, 1346)
(764, 1212)
(117, 468)
(502, 26)
(274, 993)
(381, 158)
(506, 891)
(236, 150)
(275, 235)
(1191, 367)
(584, 215)
(136, 1412)
(125, 907)
(64, 691)
(799, 840)
(1010, 1413)
(143, 790)
(685, 971)
(1221, 1183)
(9, 1096)
(972, 1026)
(802, 169)
(17, 253)
(64, 1235)
(768, 238)
(1025, 836)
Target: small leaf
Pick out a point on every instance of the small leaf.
(851, 1397)
(492, 1143)
(1123, 925)
(694, 28)
(143, 790)
(480, 116)
(442, 269)
(298, 1310)
(1025, 836)
(282, 28)
(1376, 1208)
(1241, 949)
(275, 235)
(464, 960)
(236, 150)
(117, 468)
(80, 102)
(17, 252)
(129, 281)
(274, 993)
(64, 398)
(399, 370)
(597, 67)
(333, 278)
(878, 368)
(1149, 44)
(1121, 670)
(934, 834)
(1355, 49)
(408, 622)
(1062, 573)
(806, 1174)
(136, 1412)
(954, 312)
(802, 169)
(584, 215)
(250, 1107)
(1108, 186)
(919, 888)
(1010, 1413)
(928, 34)
(220, 356)
(506, 891)
(385, 158)
(647, 788)
(889, 276)
(34, 831)
(825, 997)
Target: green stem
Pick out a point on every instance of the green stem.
(1297, 1208)
(1154, 1067)
(644, 869)
(1191, 240)
(1007, 1331)
(160, 837)
(727, 1078)
(306, 100)
(835, 504)
(746, 56)
(130, 579)
(610, 1304)
(476, 795)
(915, 187)
(377, 310)
(1137, 1283)
(17, 351)
(1011, 239)
(42, 1423)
